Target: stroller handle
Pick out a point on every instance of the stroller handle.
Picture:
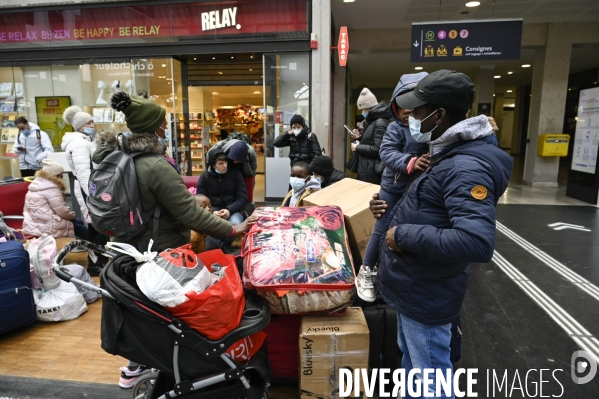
(68, 248)
(63, 275)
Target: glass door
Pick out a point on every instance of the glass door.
(286, 93)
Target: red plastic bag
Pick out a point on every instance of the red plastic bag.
(218, 310)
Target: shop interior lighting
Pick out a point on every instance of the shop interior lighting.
(526, 66)
(510, 105)
(510, 72)
(418, 68)
(163, 65)
(214, 92)
(257, 92)
(220, 73)
(497, 76)
(509, 91)
(348, 1)
(473, 4)
(251, 56)
(232, 57)
(213, 58)
(195, 59)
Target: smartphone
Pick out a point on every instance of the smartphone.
(348, 129)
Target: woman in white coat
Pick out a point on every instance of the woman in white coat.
(79, 147)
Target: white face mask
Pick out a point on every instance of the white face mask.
(296, 131)
(297, 183)
(415, 125)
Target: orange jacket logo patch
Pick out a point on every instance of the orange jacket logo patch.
(479, 192)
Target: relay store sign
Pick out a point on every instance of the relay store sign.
(70, 27)
(466, 40)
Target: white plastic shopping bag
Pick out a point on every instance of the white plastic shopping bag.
(59, 304)
(80, 273)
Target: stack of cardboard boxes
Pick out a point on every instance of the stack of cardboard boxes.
(328, 344)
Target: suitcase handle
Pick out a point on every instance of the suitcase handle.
(244, 239)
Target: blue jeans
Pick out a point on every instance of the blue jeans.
(372, 250)
(214, 243)
(424, 346)
(80, 229)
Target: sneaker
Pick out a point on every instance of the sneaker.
(128, 377)
(364, 284)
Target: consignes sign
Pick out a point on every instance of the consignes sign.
(466, 40)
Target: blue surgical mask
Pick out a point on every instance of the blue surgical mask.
(26, 132)
(297, 183)
(89, 130)
(219, 172)
(319, 179)
(415, 125)
(364, 114)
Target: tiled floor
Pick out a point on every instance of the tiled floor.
(520, 193)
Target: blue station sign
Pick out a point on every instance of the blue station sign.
(479, 40)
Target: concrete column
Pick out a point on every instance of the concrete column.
(320, 92)
(339, 117)
(485, 86)
(498, 113)
(548, 101)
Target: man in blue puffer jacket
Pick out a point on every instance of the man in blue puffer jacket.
(445, 220)
(397, 149)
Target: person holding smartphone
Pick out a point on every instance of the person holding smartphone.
(376, 119)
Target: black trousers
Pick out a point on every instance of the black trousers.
(27, 172)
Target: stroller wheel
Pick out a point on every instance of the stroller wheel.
(144, 384)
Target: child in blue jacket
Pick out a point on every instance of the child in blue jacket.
(399, 151)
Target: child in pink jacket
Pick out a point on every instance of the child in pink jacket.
(45, 209)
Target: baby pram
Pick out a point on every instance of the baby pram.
(191, 366)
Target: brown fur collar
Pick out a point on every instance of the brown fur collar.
(42, 174)
(138, 142)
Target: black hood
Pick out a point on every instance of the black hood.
(213, 155)
(379, 111)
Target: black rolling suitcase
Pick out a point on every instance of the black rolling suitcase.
(17, 308)
(382, 323)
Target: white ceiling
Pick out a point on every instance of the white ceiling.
(383, 69)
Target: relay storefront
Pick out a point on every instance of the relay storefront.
(90, 52)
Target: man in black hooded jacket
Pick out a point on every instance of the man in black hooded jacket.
(303, 144)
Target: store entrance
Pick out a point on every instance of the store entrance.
(216, 112)
(225, 97)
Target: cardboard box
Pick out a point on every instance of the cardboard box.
(327, 344)
(353, 197)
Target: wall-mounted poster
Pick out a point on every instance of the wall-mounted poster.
(49, 117)
(586, 138)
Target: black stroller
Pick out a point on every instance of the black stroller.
(191, 366)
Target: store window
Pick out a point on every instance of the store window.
(286, 93)
(41, 93)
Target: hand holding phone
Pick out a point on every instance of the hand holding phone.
(348, 130)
